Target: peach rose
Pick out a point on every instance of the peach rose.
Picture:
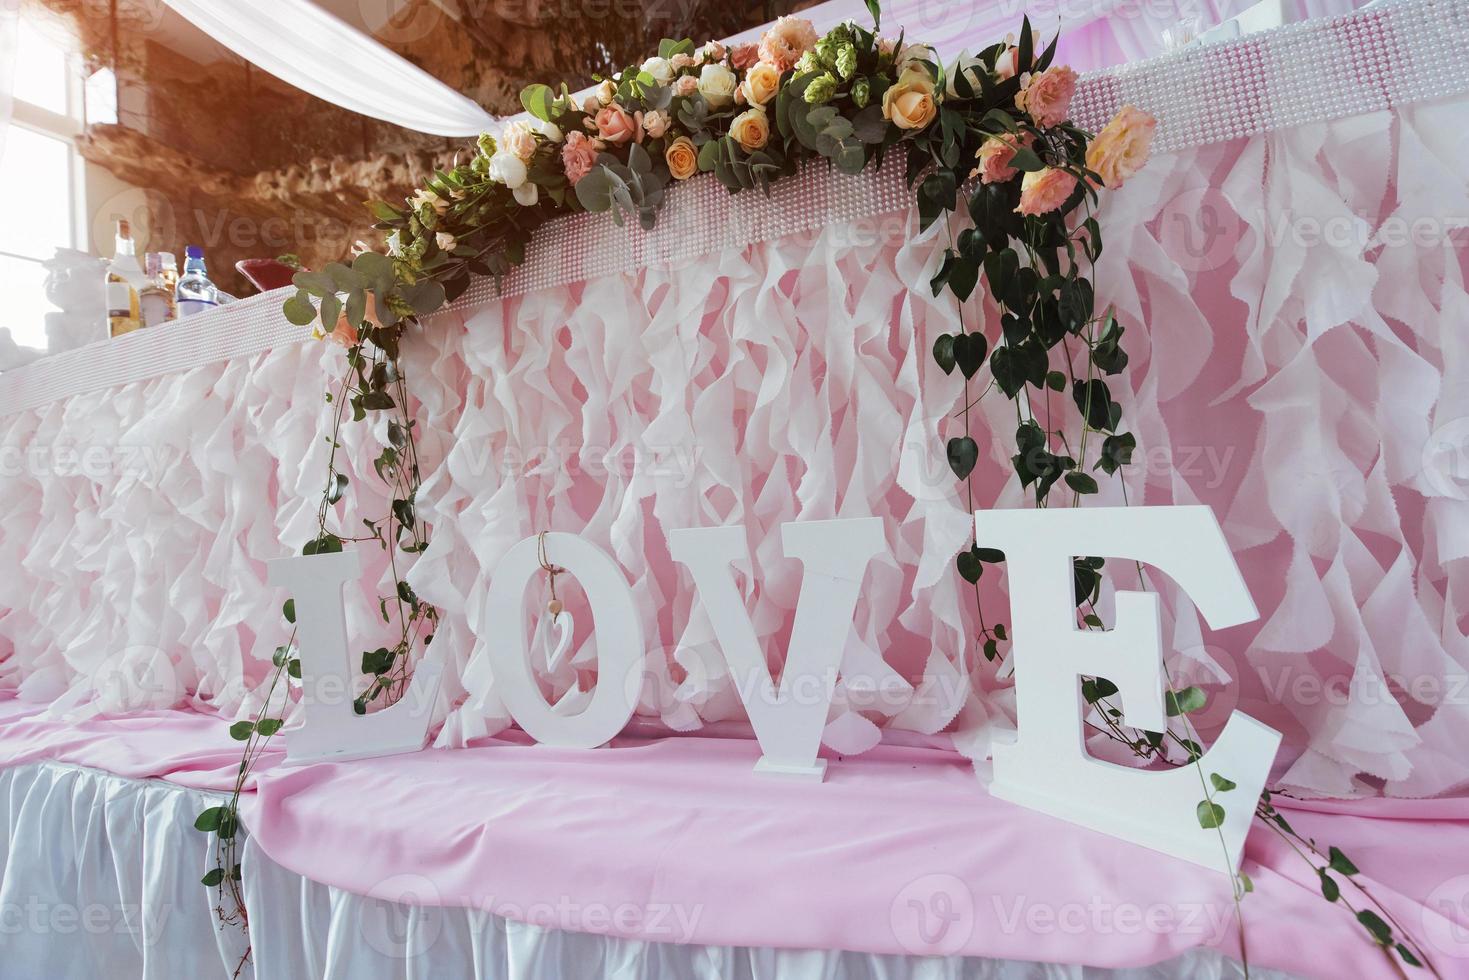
(686, 85)
(761, 83)
(519, 139)
(744, 56)
(682, 61)
(1045, 190)
(713, 51)
(579, 155)
(616, 125)
(682, 158)
(346, 333)
(785, 42)
(751, 128)
(1121, 149)
(995, 156)
(1046, 97)
(910, 103)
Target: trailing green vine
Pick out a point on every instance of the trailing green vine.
(372, 385)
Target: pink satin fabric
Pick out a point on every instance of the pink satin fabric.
(901, 851)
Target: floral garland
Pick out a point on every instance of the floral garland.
(992, 130)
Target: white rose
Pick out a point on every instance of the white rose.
(606, 92)
(915, 52)
(549, 130)
(660, 69)
(508, 169)
(970, 66)
(717, 85)
(527, 194)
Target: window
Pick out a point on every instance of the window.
(40, 176)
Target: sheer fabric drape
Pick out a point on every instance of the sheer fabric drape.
(299, 43)
(9, 36)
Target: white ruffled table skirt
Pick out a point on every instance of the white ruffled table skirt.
(99, 877)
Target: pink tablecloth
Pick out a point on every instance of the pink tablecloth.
(900, 851)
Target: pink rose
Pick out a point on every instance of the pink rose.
(1043, 191)
(743, 56)
(616, 125)
(785, 42)
(1046, 97)
(686, 85)
(995, 157)
(579, 155)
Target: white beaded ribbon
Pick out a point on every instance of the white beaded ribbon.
(1393, 54)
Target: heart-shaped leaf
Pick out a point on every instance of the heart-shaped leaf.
(963, 454)
(969, 353)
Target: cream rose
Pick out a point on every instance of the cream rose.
(655, 122)
(527, 194)
(660, 69)
(508, 169)
(1121, 149)
(682, 158)
(761, 83)
(445, 241)
(425, 196)
(717, 85)
(751, 128)
(911, 103)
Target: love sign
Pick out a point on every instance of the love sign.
(1046, 768)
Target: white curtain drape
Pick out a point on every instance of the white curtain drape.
(298, 42)
(9, 33)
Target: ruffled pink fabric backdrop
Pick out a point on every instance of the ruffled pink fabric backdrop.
(1298, 364)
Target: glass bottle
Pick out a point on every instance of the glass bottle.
(156, 300)
(124, 277)
(195, 292)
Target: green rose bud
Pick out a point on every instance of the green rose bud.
(487, 144)
(821, 90)
(861, 92)
(846, 61)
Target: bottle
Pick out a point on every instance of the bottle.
(195, 292)
(124, 278)
(156, 301)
